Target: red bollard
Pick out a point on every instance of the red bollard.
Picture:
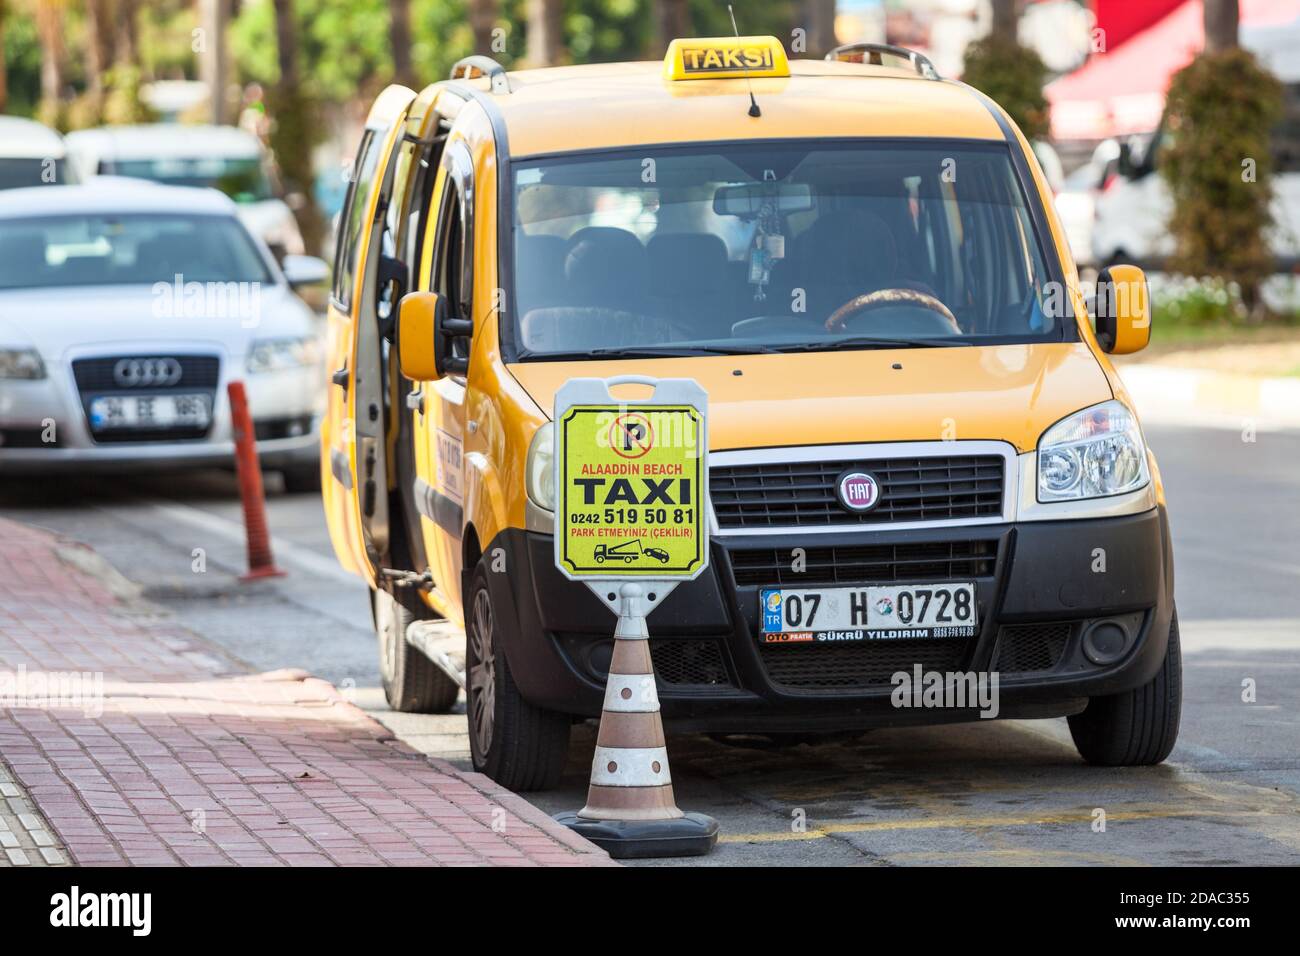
(249, 469)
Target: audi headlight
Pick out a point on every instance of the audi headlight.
(1094, 453)
(539, 475)
(21, 363)
(274, 355)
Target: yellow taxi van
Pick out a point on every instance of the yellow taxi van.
(910, 399)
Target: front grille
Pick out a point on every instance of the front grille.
(689, 663)
(774, 494)
(94, 377)
(865, 564)
(27, 438)
(1031, 647)
(860, 664)
(198, 373)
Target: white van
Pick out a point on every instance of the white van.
(32, 155)
(222, 157)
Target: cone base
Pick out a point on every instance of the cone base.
(692, 834)
(258, 573)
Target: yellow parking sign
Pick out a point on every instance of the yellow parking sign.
(631, 499)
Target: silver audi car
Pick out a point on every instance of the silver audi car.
(125, 310)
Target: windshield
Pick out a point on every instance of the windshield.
(243, 180)
(16, 173)
(756, 247)
(58, 251)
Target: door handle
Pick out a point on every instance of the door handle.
(340, 378)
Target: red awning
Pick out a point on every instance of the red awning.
(1123, 92)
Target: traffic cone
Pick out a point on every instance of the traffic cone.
(249, 471)
(631, 811)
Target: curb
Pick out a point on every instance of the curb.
(1190, 396)
(105, 821)
(485, 785)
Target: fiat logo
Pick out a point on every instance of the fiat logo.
(858, 491)
(147, 372)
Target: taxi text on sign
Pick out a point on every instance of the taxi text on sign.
(632, 497)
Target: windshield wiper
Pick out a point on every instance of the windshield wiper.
(866, 342)
(647, 351)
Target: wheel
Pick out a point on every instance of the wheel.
(600, 559)
(413, 684)
(1140, 726)
(301, 479)
(520, 746)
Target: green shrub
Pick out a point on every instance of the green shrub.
(1013, 77)
(1186, 301)
(295, 131)
(1221, 109)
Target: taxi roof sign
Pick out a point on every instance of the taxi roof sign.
(722, 58)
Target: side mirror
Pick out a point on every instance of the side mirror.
(419, 318)
(1123, 310)
(1124, 163)
(304, 270)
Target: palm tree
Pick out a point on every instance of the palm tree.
(1006, 18)
(399, 38)
(124, 42)
(545, 32)
(98, 36)
(286, 44)
(49, 28)
(294, 129)
(672, 19)
(482, 20)
(4, 88)
(819, 20)
(1222, 18)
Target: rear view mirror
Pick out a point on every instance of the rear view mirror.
(420, 316)
(746, 201)
(1123, 310)
(305, 270)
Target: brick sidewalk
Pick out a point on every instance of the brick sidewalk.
(184, 760)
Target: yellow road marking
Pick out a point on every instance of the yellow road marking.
(977, 823)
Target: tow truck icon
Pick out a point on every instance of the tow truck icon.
(629, 551)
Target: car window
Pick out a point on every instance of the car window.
(20, 172)
(353, 216)
(777, 246)
(80, 250)
(243, 180)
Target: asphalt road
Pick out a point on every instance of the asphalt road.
(1004, 792)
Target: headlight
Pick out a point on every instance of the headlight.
(1092, 454)
(21, 363)
(539, 475)
(273, 355)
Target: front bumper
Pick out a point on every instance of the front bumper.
(1040, 587)
(44, 428)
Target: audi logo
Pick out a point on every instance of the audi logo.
(147, 372)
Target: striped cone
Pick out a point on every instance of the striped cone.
(629, 772)
(631, 811)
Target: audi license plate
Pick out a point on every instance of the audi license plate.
(108, 412)
(891, 612)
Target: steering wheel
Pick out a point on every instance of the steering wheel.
(884, 299)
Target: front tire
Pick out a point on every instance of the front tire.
(301, 479)
(520, 746)
(413, 684)
(1138, 727)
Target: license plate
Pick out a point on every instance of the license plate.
(150, 411)
(889, 612)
